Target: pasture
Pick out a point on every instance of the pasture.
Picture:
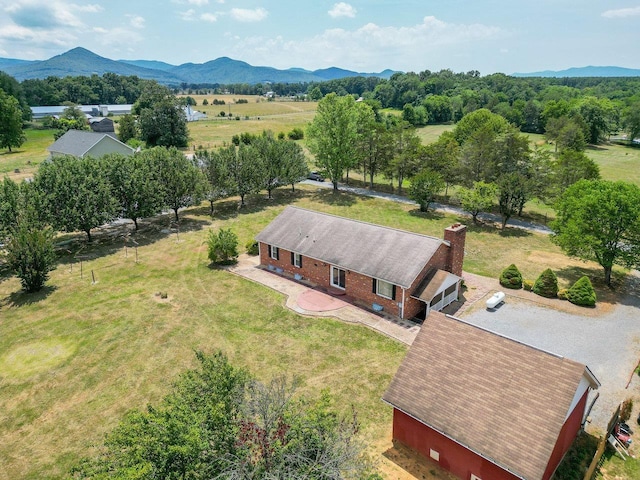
(75, 357)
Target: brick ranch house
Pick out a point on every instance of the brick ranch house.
(405, 274)
(486, 407)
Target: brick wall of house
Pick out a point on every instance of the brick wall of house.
(456, 236)
(358, 286)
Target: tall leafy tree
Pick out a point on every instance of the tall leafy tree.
(478, 199)
(476, 120)
(246, 171)
(127, 128)
(332, 136)
(30, 254)
(217, 422)
(135, 185)
(443, 157)
(76, 194)
(11, 133)
(597, 114)
(9, 201)
(599, 220)
(513, 193)
(424, 187)
(631, 121)
(182, 182)
(572, 166)
(164, 124)
(406, 151)
(218, 170)
(294, 167)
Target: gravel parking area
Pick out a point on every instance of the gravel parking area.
(609, 344)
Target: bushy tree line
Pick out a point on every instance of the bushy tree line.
(600, 106)
(256, 163)
(219, 422)
(109, 88)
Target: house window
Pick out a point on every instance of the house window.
(296, 259)
(274, 252)
(338, 278)
(384, 289)
(450, 289)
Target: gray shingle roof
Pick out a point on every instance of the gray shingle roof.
(500, 398)
(76, 142)
(389, 254)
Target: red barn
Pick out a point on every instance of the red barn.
(406, 274)
(484, 406)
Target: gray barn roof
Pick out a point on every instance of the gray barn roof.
(503, 399)
(389, 254)
(79, 142)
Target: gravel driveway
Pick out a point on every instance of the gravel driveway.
(609, 344)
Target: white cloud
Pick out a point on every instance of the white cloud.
(88, 8)
(198, 3)
(247, 15)
(622, 12)
(209, 17)
(371, 44)
(136, 21)
(342, 10)
(117, 37)
(187, 16)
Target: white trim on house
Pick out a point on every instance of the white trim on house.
(342, 277)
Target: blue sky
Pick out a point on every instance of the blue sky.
(367, 36)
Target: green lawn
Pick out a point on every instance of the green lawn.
(28, 156)
(77, 356)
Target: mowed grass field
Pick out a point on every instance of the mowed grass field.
(75, 357)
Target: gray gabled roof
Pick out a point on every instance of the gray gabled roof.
(504, 400)
(79, 142)
(395, 256)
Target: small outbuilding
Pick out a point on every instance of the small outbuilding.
(102, 125)
(484, 406)
(403, 273)
(82, 143)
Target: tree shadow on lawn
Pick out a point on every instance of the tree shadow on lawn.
(337, 198)
(622, 287)
(22, 298)
(228, 208)
(74, 247)
(493, 228)
(428, 215)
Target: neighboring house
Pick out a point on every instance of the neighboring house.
(403, 273)
(82, 143)
(102, 125)
(484, 406)
(193, 115)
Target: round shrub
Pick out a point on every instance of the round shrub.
(546, 285)
(582, 293)
(511, 277)
(527, 285)
(252, 247)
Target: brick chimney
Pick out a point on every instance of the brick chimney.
(455, 235)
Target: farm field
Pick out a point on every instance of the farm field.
(28, 156)
(77, 356)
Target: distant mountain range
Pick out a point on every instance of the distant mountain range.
(585, 72)
(80, 61)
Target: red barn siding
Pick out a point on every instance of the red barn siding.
(453, 457)
(567, 435)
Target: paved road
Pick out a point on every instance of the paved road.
(485, 217)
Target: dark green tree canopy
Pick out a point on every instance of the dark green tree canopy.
(11, 134)
(599, 220)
